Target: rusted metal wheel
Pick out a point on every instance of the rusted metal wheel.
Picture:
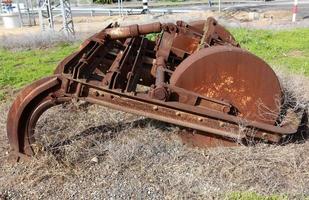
(233, 75)
(25, 111)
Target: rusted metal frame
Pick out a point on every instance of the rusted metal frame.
(163, 113)
(165, 43)
(191, 98)
(163, 52)
(184, 45)
(126, 65)
(198, 111)
(71, 61)
(86, 76)
(81, 60)
(114, 69)
(186, 41)
(225, 36)
(160, 73)
(86, 47)
(133, 76)
(183, 91)
(23, 109)
(92, 62)
(89, 60)
(185, 27)
(208, 125)
(216, 34)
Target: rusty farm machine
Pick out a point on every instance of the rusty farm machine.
(194, 75)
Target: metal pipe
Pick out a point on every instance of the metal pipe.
(133, 30)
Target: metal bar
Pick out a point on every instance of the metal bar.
(194, 110)
(140, 109)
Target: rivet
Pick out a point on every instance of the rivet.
(178, 113)
(105, 82)
(221, 124)
(200, 119)
(155, 107)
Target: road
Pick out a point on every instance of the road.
(303, 8)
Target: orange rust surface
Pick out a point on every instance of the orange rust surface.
(204, 140)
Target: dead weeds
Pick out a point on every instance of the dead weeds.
(92, 152)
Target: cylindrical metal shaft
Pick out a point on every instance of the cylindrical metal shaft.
(133, 30)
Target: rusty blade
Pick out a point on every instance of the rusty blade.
(30, 103)
(233, 75)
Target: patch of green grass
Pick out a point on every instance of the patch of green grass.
(287, 49)
(152, 36)
(22, 67)
(253, 196)
(2, 95)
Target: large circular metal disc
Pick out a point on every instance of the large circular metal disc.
(234, 75)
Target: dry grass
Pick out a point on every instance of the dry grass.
(295, 100)
(38, 40)
(94, 153)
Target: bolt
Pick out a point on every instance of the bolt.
(221, 124)
(155, 108)
(178, 113)
(226, 109)
(200, 119)
(105, 82)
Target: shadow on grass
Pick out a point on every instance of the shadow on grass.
(107, 132)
